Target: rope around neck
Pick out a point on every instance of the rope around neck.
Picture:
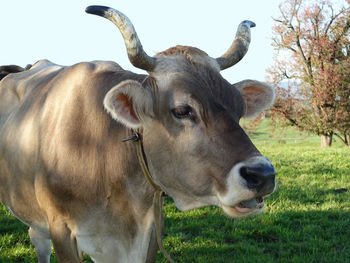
(158, 195)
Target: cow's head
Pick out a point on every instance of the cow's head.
(189, 116)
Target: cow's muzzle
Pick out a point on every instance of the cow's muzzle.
(247, 184)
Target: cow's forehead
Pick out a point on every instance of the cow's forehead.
(203, 83)
(173, 59)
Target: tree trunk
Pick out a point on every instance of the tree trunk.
(347, 139)
(326, 140)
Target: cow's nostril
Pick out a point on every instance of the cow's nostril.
(250, 176)
(259, 177)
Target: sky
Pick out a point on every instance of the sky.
(61, 31)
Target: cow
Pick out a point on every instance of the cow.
(66, 172)
(5, 70)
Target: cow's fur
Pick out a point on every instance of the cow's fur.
(65, 172)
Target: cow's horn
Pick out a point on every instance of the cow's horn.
(136, 54)
(239, 46)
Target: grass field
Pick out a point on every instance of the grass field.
(307, 219)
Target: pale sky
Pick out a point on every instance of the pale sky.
(61, 31)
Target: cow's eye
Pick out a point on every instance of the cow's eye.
(184, 112)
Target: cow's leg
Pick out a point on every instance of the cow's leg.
(64, 243)
(42, 245)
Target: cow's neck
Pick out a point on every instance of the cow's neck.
(158, 193)
(130, 204)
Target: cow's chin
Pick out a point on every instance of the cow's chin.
(242, 209)
(248, 207)
(185, 203)
(245, 208)
(192, 204)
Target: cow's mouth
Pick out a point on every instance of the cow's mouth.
(246, 207)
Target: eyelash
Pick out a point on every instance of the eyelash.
(184, 112)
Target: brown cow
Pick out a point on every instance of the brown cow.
(65, 172)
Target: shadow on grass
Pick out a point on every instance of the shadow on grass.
(209, 236)
(15, 245)
(310, 236)
(315, 195)
(10, 224)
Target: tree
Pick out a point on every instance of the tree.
(313, 53)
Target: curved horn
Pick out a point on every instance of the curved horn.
(239, 46)
(136, 54)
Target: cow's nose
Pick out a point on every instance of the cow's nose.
(259, 177)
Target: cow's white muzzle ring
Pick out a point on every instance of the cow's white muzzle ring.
(158, 194)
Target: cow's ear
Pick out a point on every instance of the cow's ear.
(258, 96)
(129, 103)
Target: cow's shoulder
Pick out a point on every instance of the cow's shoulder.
(89, 70)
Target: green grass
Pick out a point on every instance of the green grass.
(307, 219)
